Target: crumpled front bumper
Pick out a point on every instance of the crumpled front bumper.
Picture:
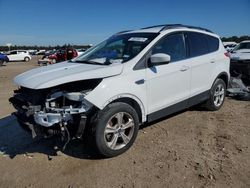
(50, 119)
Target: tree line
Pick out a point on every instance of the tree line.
(235, 39)
(35, 47)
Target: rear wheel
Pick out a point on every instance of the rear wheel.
(1, 63)
(26, 59)
(116, 129)
(217, 95)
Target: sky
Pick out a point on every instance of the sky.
(58, 22)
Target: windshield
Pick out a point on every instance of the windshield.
(119, 48)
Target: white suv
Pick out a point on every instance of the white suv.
(131, 78)
(19, 55)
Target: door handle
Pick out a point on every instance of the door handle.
(212, 61)
(184, 68)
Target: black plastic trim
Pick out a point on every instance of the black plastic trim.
(179, 106)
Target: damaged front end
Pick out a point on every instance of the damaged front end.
(61, 110)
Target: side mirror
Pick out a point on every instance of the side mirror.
(159, 59)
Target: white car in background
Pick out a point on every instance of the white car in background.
(80, 51)
(241, 51)
(240, 61)
(19, 55)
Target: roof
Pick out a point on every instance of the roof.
(160, 28)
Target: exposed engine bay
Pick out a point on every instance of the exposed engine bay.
(61, 110)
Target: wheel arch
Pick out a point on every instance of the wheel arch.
(132, 101)
(224, 76)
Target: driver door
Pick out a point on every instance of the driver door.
(168, 85)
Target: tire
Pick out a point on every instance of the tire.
(116, 128)
(217, 95)
(23, 126)
(26, 59)
(1, 63)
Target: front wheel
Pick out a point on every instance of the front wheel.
(217, 95)
(1, 63)
(116, 129)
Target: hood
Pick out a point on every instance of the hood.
(66, 72)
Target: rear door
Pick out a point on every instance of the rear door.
(202, 51)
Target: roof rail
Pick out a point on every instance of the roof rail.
(123, 32)
(173, 26)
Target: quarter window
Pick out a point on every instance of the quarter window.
(172, 45)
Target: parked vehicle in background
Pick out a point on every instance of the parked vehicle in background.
(63, 55)
(80, 51)
(19, 55)
(3, 59)
(229, 46)
(58, 56)
(240, 61)
(129, 79)
(40, 52)
(32, 52)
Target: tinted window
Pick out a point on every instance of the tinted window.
(172, 45)
(213, 43)
(197, 44)
(13, 52)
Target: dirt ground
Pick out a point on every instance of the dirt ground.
(194, 148)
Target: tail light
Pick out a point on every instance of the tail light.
(227, 54)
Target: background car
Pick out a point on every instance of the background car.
(19, 55)
(229, 46)
(240, 61)
(63, 55)
(3, 59)
(80, 51)
(40, 52)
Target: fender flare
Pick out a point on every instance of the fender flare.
(131, 96)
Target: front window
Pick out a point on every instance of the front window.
(172, 45)
(119, 48)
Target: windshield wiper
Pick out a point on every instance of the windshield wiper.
(88, 62)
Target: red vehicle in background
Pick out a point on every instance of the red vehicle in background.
(58, 56)
(63, 55)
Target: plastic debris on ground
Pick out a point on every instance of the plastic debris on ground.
(238, 90)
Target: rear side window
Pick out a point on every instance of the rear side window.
(201, 44)
(197, 44)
